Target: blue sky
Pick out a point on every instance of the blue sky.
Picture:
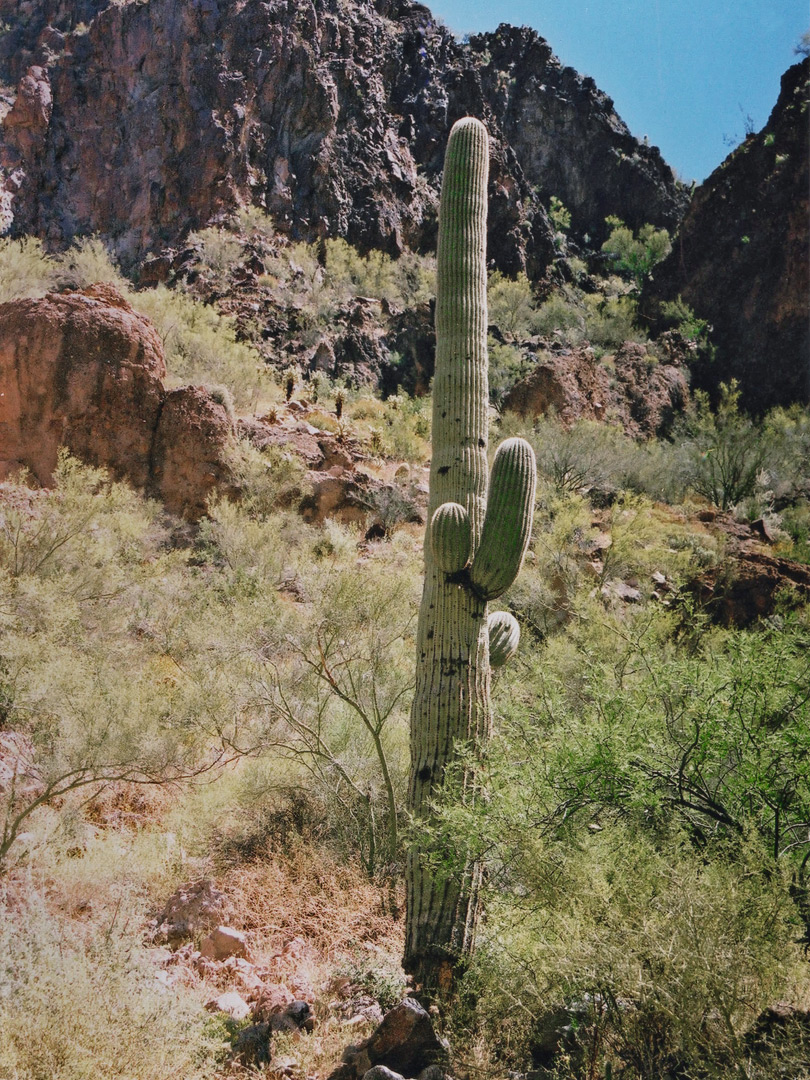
(686, 73)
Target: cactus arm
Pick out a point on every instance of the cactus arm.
(508, 521)
(504, 637)
(451, 537)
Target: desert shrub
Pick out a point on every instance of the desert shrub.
(787, 471)
(86, 262)
(653, 960)
(677, 315)
(201, 345)
(334, 692)
(560, 316)
(507, 364)
(316, 279)
(560, 219)
(257, 225)
(584, 455)
(636, 255)
(643, 831)
(611, 320)
(795, 520)
(406, 428)
(25, 269)
(268, 480)
(218, 251)
(91, 588)
(71, 1008)
(405, 282)
(723, 453)
(510, 304)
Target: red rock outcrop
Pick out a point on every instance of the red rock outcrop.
(750, 583)
(190, 451)
(85, 371)
(81, 370)
(642, 393)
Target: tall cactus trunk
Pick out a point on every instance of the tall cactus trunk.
(451, 702)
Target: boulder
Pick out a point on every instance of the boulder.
(296, 1017)
(749, 586)
(223, 942)
(643, 394)
(193, 909)
(404, 1043)
(81, 370)
(190, 452)
(85, 371)
(231, 1003)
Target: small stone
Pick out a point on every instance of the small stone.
(432, 1072)
(231, 1003)
(194, 908)
(380, 1072)
(296, 1017)
(619, 590)
(223, 942)
(760, 528)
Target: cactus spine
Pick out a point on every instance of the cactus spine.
(473, 550)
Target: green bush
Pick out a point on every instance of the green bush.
(87, 262)
(507, 364)
(510, 304)
(218, 251)
(201, 345)
(636, 255)
(561, 316)
(611, 320)
(724, 454)
(25, 269)
(643, 826)
(679, 316)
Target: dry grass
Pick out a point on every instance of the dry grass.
(308, 896)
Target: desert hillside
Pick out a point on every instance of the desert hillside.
(226, 387)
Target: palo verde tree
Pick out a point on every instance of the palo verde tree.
(474, 545)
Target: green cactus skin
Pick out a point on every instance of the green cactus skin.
(508, 521)
(451, 537)
(504, 637)
(451, 699)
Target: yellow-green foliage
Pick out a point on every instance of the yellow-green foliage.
(636, 254)
(77, 1002)
(91, 587)
(201, 345)
(317, 279)
(217, 250)
(25, 270)
(510, 303)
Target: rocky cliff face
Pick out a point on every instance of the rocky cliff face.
(741, 258)
(156, 117)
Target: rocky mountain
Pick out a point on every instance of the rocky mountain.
(740, 258)
(142, 120)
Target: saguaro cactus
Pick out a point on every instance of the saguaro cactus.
(474, 546)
